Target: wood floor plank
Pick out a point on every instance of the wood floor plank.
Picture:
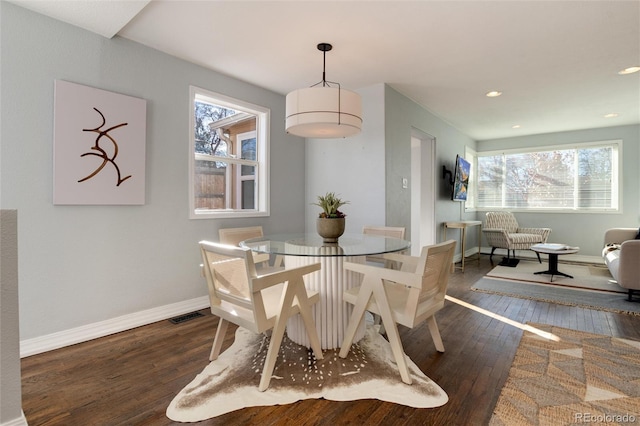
(130, 377)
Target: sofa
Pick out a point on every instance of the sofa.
(622, 256)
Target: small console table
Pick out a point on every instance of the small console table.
(463, 225)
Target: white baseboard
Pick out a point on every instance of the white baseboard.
(19, 421)
(88, 332)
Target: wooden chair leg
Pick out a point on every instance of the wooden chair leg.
(356, 316)
(272, 356)
(276, 339)
(392, 332)
(305, 312)
(217, 341)
(435, 333)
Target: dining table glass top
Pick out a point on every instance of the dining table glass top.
(311, 244)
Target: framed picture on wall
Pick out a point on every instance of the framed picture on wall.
(98, 146)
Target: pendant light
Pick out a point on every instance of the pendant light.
(322, 110)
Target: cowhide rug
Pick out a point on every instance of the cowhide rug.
(369, 372)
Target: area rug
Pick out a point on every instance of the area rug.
(581, 378)
(369, 372)
(585, 276)
(583, 298)
(590, 287)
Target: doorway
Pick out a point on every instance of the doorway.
(423, 191)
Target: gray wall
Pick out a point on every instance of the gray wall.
(585, 230)
(402, 115)
(85, 264)
(351, 167)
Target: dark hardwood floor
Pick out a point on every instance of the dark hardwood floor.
(129, 378)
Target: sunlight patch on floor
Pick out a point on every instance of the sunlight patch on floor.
(541, 333)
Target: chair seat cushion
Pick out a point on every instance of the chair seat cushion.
(244, 317)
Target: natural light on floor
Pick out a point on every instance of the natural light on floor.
(544, 334)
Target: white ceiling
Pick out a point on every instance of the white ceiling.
(556, 62)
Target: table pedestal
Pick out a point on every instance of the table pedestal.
(553, 267)
(331, 314)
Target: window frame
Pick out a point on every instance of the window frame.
(617, 172)
(262, 177)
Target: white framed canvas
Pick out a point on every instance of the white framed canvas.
(98, 146)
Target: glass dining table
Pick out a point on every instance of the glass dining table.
(331, 315)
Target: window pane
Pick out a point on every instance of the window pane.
(208, 140)
(490, 181)
(248, 198)
(540, 180)
(248, 149)
(210, 184)
(594, 183)
(577, 178)
(248, 152)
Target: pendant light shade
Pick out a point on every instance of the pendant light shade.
(322, 111)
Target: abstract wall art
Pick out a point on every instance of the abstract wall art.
(98, 146)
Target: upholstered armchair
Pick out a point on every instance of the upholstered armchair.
(501, 230)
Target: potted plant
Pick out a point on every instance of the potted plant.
(331, 221)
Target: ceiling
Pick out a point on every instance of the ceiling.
(555, 62)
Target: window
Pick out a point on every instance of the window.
(583, 177)
(228, 154)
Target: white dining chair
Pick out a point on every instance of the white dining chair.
(233, 236)
(384, 231)
(238, 295)
(408, 296)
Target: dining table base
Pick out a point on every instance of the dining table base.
(331, 314)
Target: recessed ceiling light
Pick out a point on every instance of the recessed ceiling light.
(611, 115)
(515, 126)
(629, 70)
(493, 94)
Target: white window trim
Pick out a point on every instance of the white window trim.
(616, 191)
(263, 116)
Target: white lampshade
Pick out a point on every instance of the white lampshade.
(323, 112)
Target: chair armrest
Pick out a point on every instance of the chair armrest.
(539, 231)
(619, 235)
(263, 281)
(497, 237)
(629, 266)
(403, 277)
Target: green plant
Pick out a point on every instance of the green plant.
(330, 204)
